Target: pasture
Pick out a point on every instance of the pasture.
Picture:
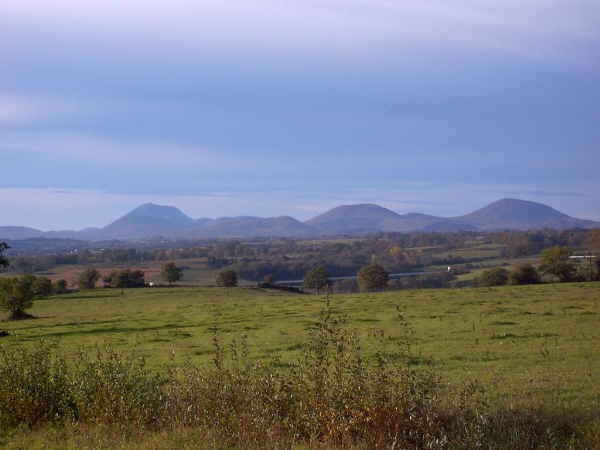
(535, 341)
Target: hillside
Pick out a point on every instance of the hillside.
(14, 233)
(148, 220)
(247, 227)
(347, 219)
(509, 213)
(151, 220)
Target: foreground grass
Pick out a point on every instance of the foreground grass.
(330, 398)
(534, 340)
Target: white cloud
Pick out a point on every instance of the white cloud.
(318, 29)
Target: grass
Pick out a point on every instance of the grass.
(539, 340)
(510, 367)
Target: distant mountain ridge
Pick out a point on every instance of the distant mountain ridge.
(150, 220)
(510, 213)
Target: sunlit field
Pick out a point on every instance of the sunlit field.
(537, 340)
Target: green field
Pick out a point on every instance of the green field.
(540, 340)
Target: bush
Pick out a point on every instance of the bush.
(88, 278)
(524, 274)
(16, 296)
(170, 273)
(372, 278)
(428, 281)
(316, 279)
(125, 279)
(61, 286)
(42, 287)
(498, 276)
(227, 278)
(555, 262)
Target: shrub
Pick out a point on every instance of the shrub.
(498, 276)
(88, 278)
(372, 278)
(42, 287)
(35, 386)
(125, 279)
(3, 261)
(16, 296)
(555, 263)
(524, 274)
(428, 281)
(316, 279)
(227, 278)
(170, 273)
(61, 286)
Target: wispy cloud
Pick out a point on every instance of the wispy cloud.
(28, 109)
(68, 146)
(351, 28)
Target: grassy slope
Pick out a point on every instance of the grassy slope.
(534, 339)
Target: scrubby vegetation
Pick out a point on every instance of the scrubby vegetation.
(498, 276)
(227, 278)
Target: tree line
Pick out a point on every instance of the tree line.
(291, 259)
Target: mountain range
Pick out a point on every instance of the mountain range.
(150, 221)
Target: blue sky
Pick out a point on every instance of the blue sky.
(272, 108)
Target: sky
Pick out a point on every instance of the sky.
(275, 108)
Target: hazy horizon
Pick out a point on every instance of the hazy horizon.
(277, 109)
(301, 218)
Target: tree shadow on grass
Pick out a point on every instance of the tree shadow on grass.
(19, 315)
(91, 296)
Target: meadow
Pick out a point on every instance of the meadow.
(536, 341)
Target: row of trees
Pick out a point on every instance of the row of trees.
(127, 278)
(499, 276)
(17, 294)
(394, 251)
(372, 277)
(556, 264)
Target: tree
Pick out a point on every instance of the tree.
(16, 296)
(227, 278)
(135, 278)
(61, 286)
(125, 279)
(316, 278)
(170, 273)
(88, 278)
(3, 261)
(555, 262)
(498, 276)
(372, 278)
(42, 287)
(524, 274)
